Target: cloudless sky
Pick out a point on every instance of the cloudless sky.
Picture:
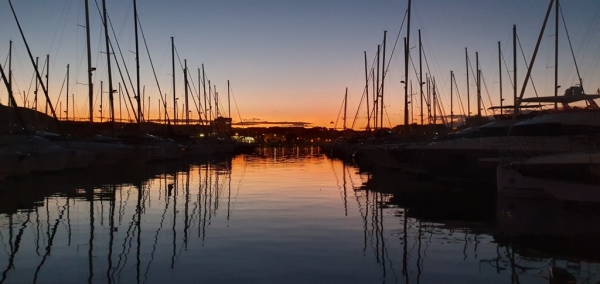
(291, 60)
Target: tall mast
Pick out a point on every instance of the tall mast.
(173, 70)
(120, 106)
(478, 85)
(217, 112)
(185, 83)
(37, 85)
(137, 62)
(209, 102)
(421, 75)
(9, 70)
(556, 57)
(47, 79)
(67, 111)
(101, 96)
(382, 77)
(406, 57)
(406, 81)
(515, 108)
(228, 99)
(412, 106)
(428, 79)
(368, 128)
(204, 87)
(110, 85)
(345, 106)
(500, 74)
(451, 100)
(199, 96)
(434, 101)
(378, 93)
(468, 86)
(89, 65)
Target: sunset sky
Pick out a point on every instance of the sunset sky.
(292, 60)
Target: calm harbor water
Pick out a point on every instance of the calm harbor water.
(281, 215)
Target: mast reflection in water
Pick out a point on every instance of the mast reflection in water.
(281, 215)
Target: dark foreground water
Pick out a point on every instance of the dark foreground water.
(281, 216)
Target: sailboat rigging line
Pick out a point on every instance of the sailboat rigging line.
(236, 106)
(571, 47)
(192, 90)
(387, 115)
(13, 101)
(60, 93)
(395, 44)
(119, 66)
(526, 65)
(529, 69)
(488, 95)
(154, 73)
(338, 116)
(412, 62)
(38, 75)
(441, 107)
(362, 98)
(31, 83)
(428, 72)
(512, 84)
(462, 107)
(365, 94)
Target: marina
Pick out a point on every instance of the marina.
(239, 220)
(143, 168)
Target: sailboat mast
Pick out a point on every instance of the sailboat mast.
(199, 98)
(37, 85)
(204, 87)
(101, 96)
(210, 102)
(406, 57)
(67, 111)
(515, 107)
(468, 86)
(89, 65)
(556, 56)
(378, 90)
(345, 107)
(228, 98)
(500, 74)
(478, 84)
(367, 94)
(434, 101)
(137, 62)
(108, 61)
(217, 112)
(382, 77)
(9, 70)
(47, 79)
(173, 70)
(185, 83)
(421, 74)
(451, 100)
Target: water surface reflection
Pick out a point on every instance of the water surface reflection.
(281, 215)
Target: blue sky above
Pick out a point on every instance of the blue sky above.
(292, 60)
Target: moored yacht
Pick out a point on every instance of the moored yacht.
(567, 176)
(42, 155)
